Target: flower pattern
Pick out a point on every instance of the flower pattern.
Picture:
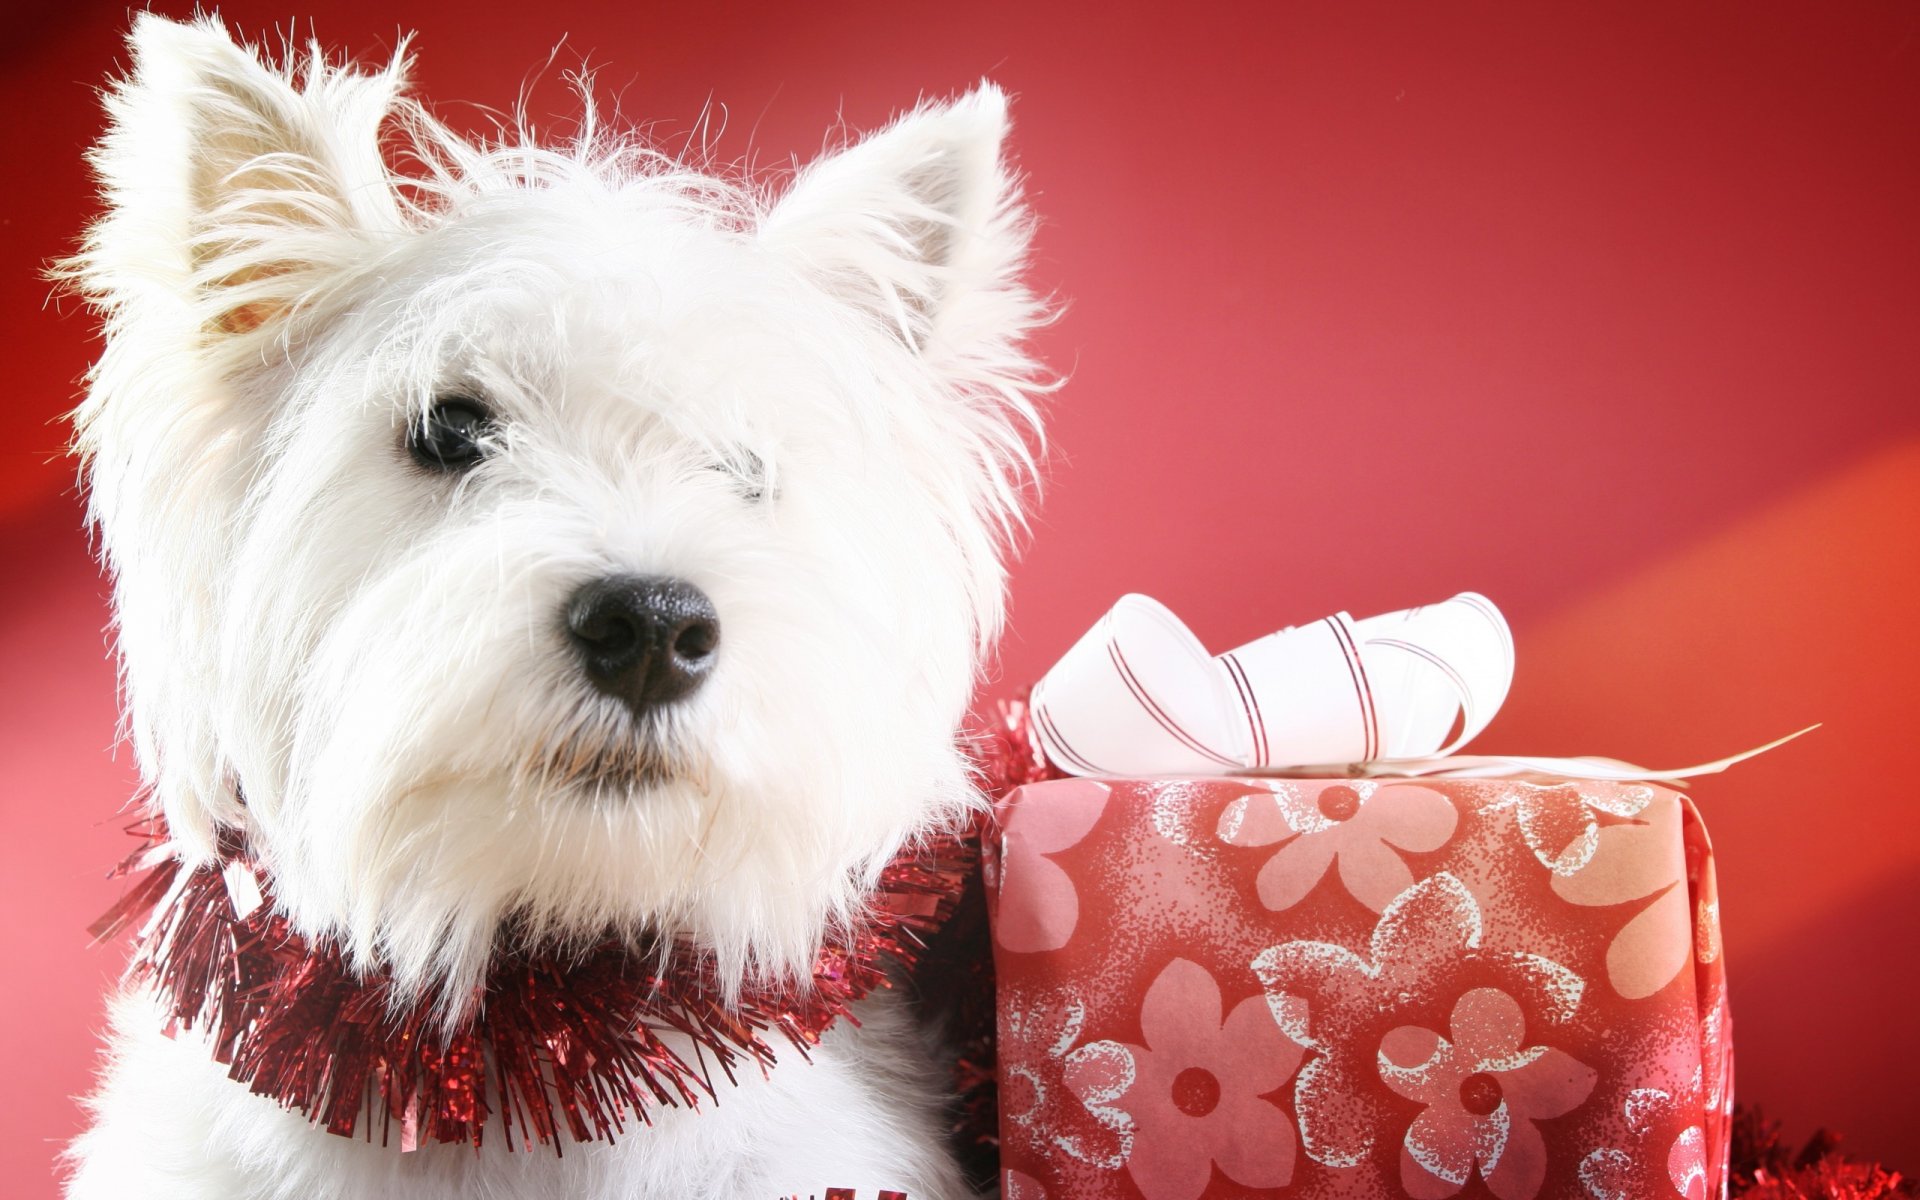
(1637, 854)
(1677, 1118)
(1040, 1068)
(1039, 905)
(1358, 826)
(1561, 822)
(1481, 1091)
(1329, 999)
(1497, 1020)
(1613, 1174)
(1197, 1089)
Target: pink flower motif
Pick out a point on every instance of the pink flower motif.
(1687, 1163)
(1610, 1174)
(1638, 852)
(1672, 1116)
(1042, 1074)
(1357, 825)
(1562, 822)
(1196, 1090)
(1483, 1091)
(1038, 906)
(1424, 953)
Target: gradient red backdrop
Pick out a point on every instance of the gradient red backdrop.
(1609, 312)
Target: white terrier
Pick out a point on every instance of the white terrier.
(551, 540)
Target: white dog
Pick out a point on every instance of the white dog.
(556, 540)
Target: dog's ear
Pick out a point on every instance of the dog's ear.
(232, 192)
(920, 223)
(232, 188)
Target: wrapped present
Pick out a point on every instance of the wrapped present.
(1224, 972)
(1338, 987)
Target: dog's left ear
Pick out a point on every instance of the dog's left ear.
(921, 224)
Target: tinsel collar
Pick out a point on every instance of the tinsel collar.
(579, 1044)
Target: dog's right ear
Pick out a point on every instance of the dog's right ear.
(233, 192)
(231, 189)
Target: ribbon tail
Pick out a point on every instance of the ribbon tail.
(1599, 770)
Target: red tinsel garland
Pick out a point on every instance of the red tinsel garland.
(577, 1043)
(1765, 1168)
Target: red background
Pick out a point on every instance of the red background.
(1606, 311)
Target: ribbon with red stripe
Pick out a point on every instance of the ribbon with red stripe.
(1396, 694)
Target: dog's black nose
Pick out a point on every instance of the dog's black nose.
(643, 639)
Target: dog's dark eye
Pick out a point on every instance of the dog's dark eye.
(452, 435)
(749, 474)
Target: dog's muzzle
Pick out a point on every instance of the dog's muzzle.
(645, 640)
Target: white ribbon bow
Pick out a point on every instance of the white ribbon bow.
(1391, 695)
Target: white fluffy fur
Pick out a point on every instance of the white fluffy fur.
(293, 261)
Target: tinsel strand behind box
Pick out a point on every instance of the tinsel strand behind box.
(1342, 988)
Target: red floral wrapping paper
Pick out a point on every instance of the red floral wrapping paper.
(1339, 988)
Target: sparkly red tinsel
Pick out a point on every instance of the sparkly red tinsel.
(577, 1044)
(1763, 1167)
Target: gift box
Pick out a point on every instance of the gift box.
(1341, 987)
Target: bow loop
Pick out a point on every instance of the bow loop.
(1396, 694)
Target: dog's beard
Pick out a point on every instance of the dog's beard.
(600, 751)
